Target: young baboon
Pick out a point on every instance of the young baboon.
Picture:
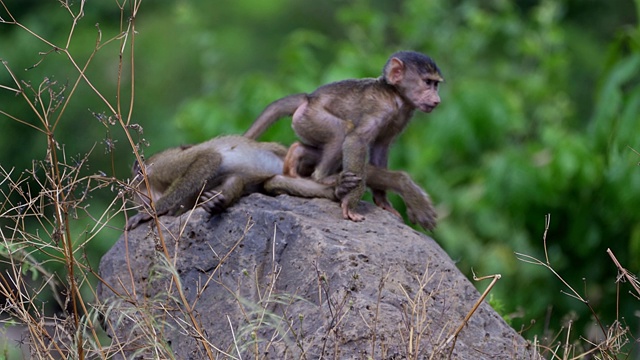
(216, 173)
(342, 123)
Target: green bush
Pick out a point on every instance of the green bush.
(539, 116)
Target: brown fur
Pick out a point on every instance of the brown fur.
(216, 173)
(342, 124)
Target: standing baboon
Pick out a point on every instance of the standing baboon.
(342, 123)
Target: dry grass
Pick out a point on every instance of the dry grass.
(41, 205)
(614, 341)
(47, 271)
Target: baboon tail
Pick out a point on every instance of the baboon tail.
(276, 110)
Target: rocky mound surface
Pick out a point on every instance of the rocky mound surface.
(288, 278)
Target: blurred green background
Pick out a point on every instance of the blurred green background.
(539, 115)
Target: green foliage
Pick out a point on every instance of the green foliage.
(499, 306)
(514, 139)
(539, 115)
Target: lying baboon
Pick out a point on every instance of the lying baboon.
(216, 173)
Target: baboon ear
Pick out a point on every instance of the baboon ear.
(394, 72)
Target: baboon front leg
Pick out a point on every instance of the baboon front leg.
(301, 187)
(354, 152)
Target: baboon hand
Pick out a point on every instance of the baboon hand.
(347, 182)
(136, 220)
(214, 202)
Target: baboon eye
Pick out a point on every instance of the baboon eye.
(431, 82)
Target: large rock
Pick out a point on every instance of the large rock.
(288, 278)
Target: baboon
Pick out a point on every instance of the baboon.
(216, 173)
(340, 124)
